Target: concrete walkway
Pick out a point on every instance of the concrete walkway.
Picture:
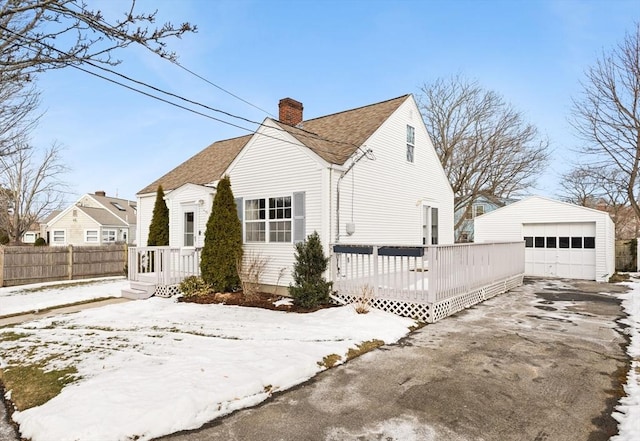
(21, 318)
(542, 362)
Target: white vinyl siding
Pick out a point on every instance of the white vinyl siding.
(384, 198)
(193, 198)
(540, 217)
(285, 170)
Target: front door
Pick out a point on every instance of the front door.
(189, 228)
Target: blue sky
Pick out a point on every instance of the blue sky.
(330, 55)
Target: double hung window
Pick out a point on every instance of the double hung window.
(273, 222)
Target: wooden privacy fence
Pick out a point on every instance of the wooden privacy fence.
(23, 265)
(426, 282)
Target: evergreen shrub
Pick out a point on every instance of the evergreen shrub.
(310, 288)
(222, 241)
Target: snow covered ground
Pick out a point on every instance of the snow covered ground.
(35, 297)
(628, 411)
(153, 367)
(149, 368)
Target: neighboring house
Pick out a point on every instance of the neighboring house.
(482, 205)
(369, 175)
(32, 233)
(561, 239)
(95, 219)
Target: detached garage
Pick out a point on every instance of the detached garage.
(561, 239)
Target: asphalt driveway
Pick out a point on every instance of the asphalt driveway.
(542, 362)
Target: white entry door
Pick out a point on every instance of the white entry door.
(560, 250)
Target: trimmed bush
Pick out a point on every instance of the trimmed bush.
(310, 288)
(159, 228)
(40, 242)
(193, 286)
(222, 242)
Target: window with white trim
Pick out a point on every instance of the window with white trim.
(108, 236)
(91, 236)
(273, 223)
(411, 142)
(59, 237)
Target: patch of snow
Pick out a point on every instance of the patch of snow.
(628, 411)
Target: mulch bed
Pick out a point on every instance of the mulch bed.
(259, 300)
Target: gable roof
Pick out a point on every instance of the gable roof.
(336, 137)
(102, 216)
(122, 209)
(203, 168)
(516, 205)
(333, 137)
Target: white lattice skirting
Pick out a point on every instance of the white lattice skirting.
(432, 312)
(167, 290)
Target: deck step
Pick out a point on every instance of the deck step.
(139, 290)
(147, 287)
(135, 294)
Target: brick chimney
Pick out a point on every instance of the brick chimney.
(100, 193)
(290, 111)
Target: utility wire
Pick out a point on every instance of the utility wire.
(305, 133)
(106, 23)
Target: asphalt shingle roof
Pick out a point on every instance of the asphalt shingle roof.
(333, 137)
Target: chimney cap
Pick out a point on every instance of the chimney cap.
(100, 193)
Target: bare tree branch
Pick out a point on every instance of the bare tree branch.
(43, 34)
(485, 145)
(607, 114)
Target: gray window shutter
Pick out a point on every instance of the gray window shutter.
(239, 208)
(299, 227)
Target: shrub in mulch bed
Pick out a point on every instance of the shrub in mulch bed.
(260, 300)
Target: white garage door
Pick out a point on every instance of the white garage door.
(560, 250)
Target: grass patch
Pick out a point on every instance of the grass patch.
(363, 348)
(619, 277)
(329, 361)
(31, 386)
(12, 336)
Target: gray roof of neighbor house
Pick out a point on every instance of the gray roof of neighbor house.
(333, 137)
(123, 209)
(102, 216)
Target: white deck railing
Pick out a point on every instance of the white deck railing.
(164, 266)
(428, 274)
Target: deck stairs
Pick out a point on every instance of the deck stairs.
(139, 290)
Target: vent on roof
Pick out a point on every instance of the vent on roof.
(290, 111)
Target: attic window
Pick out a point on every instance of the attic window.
(411, 142)
(118, 206)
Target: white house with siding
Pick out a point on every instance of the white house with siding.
(94, 219)
(366, 175)
(561, 239)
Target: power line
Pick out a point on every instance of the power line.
(106, 23)
(305, 133)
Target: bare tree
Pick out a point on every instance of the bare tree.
(607, 114)
(18, 103)
(581, 186)
(32, 187)
(43, 34)
(603, 189)
(485, 145)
